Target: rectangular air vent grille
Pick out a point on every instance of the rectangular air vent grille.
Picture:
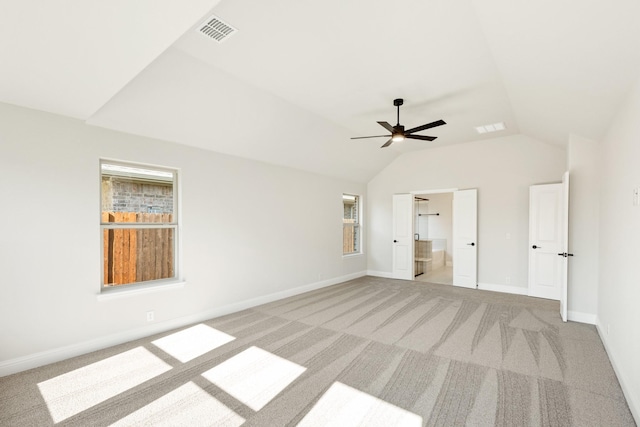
(216, 29)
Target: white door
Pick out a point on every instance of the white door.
(545, 241)
(465, 233)
(564, 251)
(402, 236)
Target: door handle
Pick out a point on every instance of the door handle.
(564, 254)
(471, 244)
(395, 241)
(536, 247)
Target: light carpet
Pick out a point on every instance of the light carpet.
(370, 351)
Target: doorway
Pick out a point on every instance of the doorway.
(464, 240)
(433, 238)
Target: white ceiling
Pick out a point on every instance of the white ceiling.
(301, 77)
(70, 57)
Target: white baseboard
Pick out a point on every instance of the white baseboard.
(508, 289)
(634, 404)
(576, 316)
(518, 290)
(385, 274)
(35, 360)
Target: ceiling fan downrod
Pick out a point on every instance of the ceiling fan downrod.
(398, 102)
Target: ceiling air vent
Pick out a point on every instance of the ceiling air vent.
(216, 29)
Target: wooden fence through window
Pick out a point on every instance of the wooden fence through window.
(134, 255)
(348, 236)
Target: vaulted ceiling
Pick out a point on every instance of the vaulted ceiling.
(300, 78)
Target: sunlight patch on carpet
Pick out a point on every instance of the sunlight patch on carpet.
(71, 393)
(254, 376)
(342, 405)
(190, 343)
(186, 405)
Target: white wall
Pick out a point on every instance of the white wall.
(420, 223)
(582, 160)
(249, 230)
(502, 170)
(441, 226)
(619, 276)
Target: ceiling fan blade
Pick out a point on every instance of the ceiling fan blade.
(388, 143)
(387, 126)
(421, 137)
(376, 136)
(427, 126)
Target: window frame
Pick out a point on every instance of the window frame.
(356, 225)
(174, 225)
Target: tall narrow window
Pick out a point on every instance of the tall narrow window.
(350, 224)
(139, 222)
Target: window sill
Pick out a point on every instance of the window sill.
(352, 255)
(116, 293)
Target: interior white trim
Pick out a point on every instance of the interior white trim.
(35, 360)
(576, 316)
(437, 191)
(116, 293)
(355, 254)
(507, 289)
(385, 274)
(634, 406)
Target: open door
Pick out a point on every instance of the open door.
(465, 238)
(545, 241)
(564, 251)
(402, 236)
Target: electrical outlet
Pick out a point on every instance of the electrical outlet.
(608, 328)
(636, 196)
(507, 280)
(150, 316)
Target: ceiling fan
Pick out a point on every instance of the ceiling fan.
(399, 134)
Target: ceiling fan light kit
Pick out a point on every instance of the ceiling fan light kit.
(398, 133)
(398, 137)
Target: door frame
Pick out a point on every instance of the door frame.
(564, 293)
(438, 191)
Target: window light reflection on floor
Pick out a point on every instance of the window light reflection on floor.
(192, 342)
(254, 376)
(71, 393)
(342, 405)
(186, 405)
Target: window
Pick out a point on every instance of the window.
(350, 224)
(139, 223)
